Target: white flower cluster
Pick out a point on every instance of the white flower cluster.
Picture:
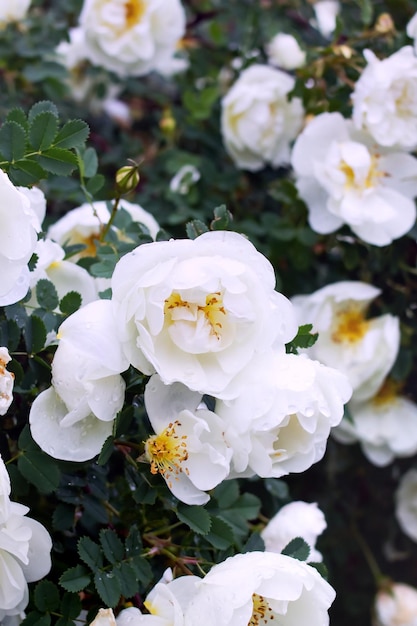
(201, 317)
(6, 381)
(252, 588)
(25, 548)
(13, 11)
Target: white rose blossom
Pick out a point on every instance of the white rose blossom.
(72, 419)
(374, 425)
(18, 237)
(326, 12)
(284, 51)
(412, 30)
(132, 37)
(385, 99)
(296, 519)
(188, 449)
(197, 311)
(6, 381)
(184, 179)
(282, 418)
(363, 349)
(406, 503)
(13, 11)
(396, 605)
(258, 121)
(261, 588)
(344, 178)
(25, 548)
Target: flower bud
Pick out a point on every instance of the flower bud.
(127, 178)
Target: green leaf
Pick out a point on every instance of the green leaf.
(9, 334)
(40, 107)
(46, 596)
(47, 294)
(70, 303)
(106, 450)
(196, 517)
(58, 161)
(36, 619)
(26, 172)
(95, 184)
(35, 334)
(222, 218)
(112, 546)
(126, 576)
(226, 493)
(75, 579)
(70, 606)
(195, 228)
(297, 548)
(12, 141)
(72, 135)
(133, 543)
(255, 543)
(39, 469)
(321, 568)
(90, 553)
(43, 130)
(142, 569)
(89, 162)
(108, 587)
(303, 339)
(19, 116)
(63, 517)
(220, 535)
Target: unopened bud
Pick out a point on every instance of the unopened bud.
(127, 178)
(167, 123)
(384, 24)
(343, 50)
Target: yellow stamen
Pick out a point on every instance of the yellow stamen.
(213, 310)
(387, 393)
(167, 451)
(371, 178)
(134, 12)
(350, 326)
(261, 612)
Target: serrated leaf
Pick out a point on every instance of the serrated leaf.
(70, 303)
(47, 294)
(222, 218)
(36, 619)
(19, 116)
(112, 546)
(42, 130)
(195, 228)
(26, 172)
(63, 517)
(220, 535)
(72, 135)
(297, 548)
(46, 596)
(40, 107)
(197, 518)
(90, 553)
(246, 506)
(133, 543)
(321, 568)
(226, 493)
(75, 579)
(12, 141)
(142, 569)
(35, 334)
(108, 587)
(255, 543)
(70, 606)
(9, 334)
(126, 576)
(58, 161)
(40, 470)
(106, 450)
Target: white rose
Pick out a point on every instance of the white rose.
(344, 178)
(197, 311)
(406, 504)
(188, 449)
(183, 180)
(132, 38)
(375, 425)
(363, 349)
(72, 419)
(396, 606)
(18, 237)
(326, 12)
(385, 99)
(12, 11)
(281, 420)
(412, 29)
(6, 381)
(296, 519)
(72, 54)
(83, 225)
(258, 121)
(284, 51)
(37, 201)
(261, 587)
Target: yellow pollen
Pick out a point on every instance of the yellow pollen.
(371, 179)
(134, 12)
(387, 393)
(213, 310)
(167, 451)
(261, 612)
(350, 326)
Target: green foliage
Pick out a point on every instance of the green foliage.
(297, 548)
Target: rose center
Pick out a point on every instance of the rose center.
(134, 10)
(213, 311)
(167, 450)
(369, 181)
(261, 612)
(387, 393)
(350, 326)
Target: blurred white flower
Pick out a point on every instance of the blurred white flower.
(197, 311)
(396, 605)
(25, 548)
(281, 420)
(132, 37)
(385, 99)
(6, 381)
(188, 449)
(83, 224)
(326, 12)
(296, 519)
(104, 617)
(183, 180)
(375, 424)
(13, 11)
(72, 419)
(37, 201)
(344, 178)
(363, 349)
(406, 503)
(258, 121)
(284, 51)
(261, 588)
(18, 237)
(72, 54)
(412, 30)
